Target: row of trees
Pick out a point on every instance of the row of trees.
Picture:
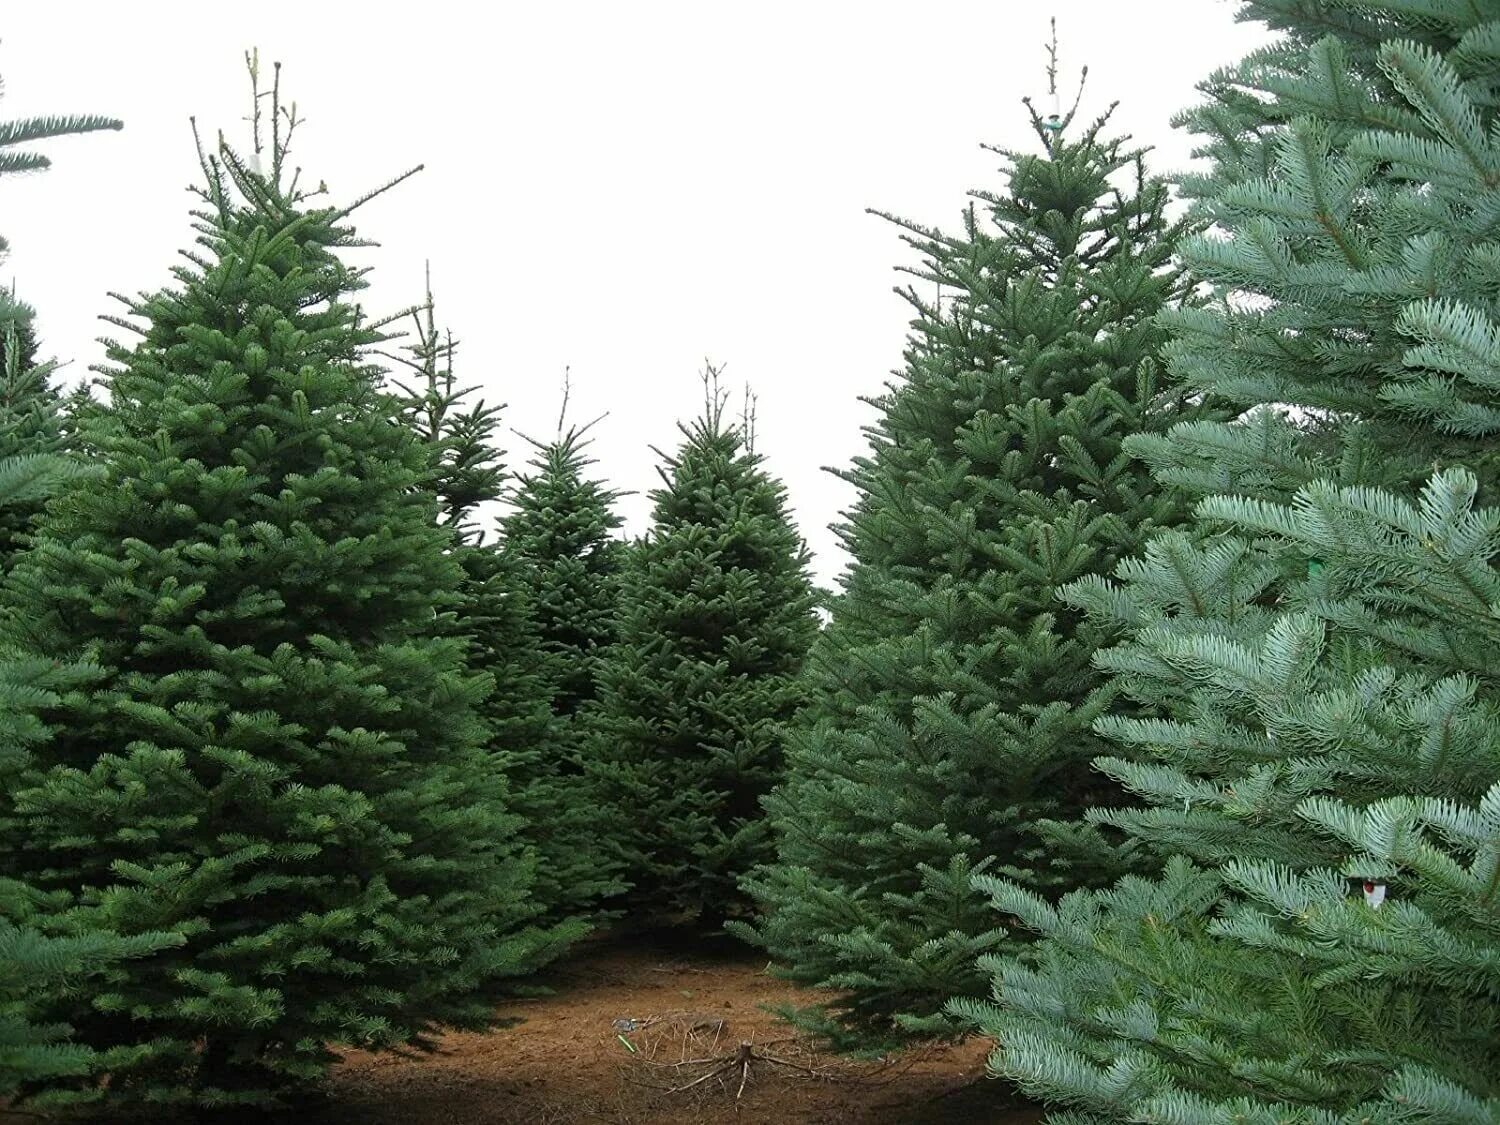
(296, 754)
(1209, 504)
(1152, 733)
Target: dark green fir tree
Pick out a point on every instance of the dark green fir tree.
(952, 695)
(559, 542)
(560, 534)
(554, 799)
(1317, 745)
(277, 760)
(717, 615)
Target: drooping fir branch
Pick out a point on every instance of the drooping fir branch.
(28, 131)
(14, 159)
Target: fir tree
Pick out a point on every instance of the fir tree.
(1316, 744)
(716, 620)
(548, 791)
(559, 545)
(277, 761)
(952, 695)
(560, 536)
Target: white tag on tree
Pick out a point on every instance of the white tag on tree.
(1374, 893)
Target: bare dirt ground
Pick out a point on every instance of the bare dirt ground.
(693, 1007)
(648, 1032)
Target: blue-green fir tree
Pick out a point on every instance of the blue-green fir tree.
(1315, 749)
(717, 615)
(952, 695)
(277, 761)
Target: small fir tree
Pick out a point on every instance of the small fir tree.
(277, 761)
(560, 545)
(716, 620)
(952, 695)
(1316, 745)
(551, 795)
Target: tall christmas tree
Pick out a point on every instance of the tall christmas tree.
(560, 536)
(716, 621)
(952, 695)
(1316, 745)
(560, 817)
(277, 760)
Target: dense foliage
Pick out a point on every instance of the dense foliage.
(497, 616)
(49, 946)
(716, 620)
(1154, 733)
(1316, 746)
(276, 760)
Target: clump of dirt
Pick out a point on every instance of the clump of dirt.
(647, 1032)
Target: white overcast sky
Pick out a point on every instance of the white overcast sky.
(626, 188)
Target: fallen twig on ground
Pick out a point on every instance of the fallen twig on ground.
(697, 1046)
